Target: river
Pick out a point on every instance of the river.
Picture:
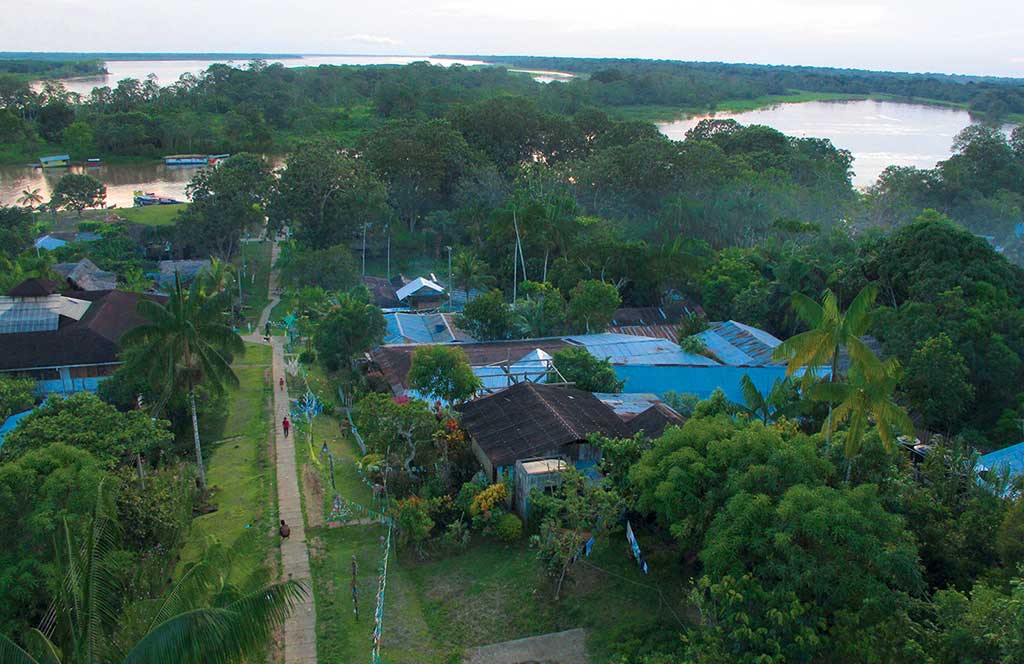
(878, 133)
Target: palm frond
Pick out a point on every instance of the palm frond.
(219, 635)
(858, 315)
(806, 309)
(10, 653)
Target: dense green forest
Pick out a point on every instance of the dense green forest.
(704, 84)
(25, 70)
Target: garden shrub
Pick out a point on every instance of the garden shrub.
(509, 528)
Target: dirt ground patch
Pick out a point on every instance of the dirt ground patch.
(567, 647)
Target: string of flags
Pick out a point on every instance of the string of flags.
(378, 614)
(634, 547)
(343, 510)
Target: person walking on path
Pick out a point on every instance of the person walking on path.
(285, 424)
(280, 381)
(285, 529)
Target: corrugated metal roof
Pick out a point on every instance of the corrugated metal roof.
(628, 405)
(1011, 457)
(740, 345)
(631, 349)
(414, 328)
(416, 285)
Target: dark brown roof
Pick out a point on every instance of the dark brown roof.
(394, 361)
(381, 292)
(533, 419)
(34, 287)
(654, 420)
(91, 340)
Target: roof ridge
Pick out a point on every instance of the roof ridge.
(554, 411)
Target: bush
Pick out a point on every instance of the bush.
(490, 498)
(509, 528)
(456, 536)
(307, 357)
(468, 492)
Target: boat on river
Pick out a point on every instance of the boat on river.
(145, 200)
(193, 159)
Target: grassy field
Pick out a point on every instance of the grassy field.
(240, 472)
(151, 215)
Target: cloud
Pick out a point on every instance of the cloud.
(379, 40)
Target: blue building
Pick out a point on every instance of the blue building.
(1009, 460)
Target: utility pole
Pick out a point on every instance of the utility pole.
(450, 287)
(388, 229)
(364, 248)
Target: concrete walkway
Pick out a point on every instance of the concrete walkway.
(569, 647)
(300, 627)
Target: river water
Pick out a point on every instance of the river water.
(878, 133)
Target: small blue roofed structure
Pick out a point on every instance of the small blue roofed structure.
(1018, 230)
(55, 161)
(49, 242)
(10, 423)
(1007, 460)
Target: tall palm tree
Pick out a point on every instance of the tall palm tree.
(184, 342)
(89, 623)
(30, 197)
(831, 330)
(866, 396)
(470, 272)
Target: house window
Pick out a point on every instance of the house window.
(92, 371)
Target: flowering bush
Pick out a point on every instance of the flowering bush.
(413, 520)
(488, 499)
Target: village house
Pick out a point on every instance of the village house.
(66, 342)
(84, 275)
(533, 420)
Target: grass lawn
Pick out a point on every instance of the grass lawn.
(151, 215)
(492, 592)
(240, 470)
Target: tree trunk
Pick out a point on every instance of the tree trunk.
(195, 435)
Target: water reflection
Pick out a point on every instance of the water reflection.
(121, 180)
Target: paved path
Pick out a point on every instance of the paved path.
(300, 627)
(569, 647)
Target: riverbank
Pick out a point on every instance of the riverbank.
(671, 113)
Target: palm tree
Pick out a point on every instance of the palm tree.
(866, 396)
(470, 272)
(185, 342)
(831, 331)
(216, 277)
(87, 624)
(30, 197)
(767, 407)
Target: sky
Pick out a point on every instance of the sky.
(950, 36)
